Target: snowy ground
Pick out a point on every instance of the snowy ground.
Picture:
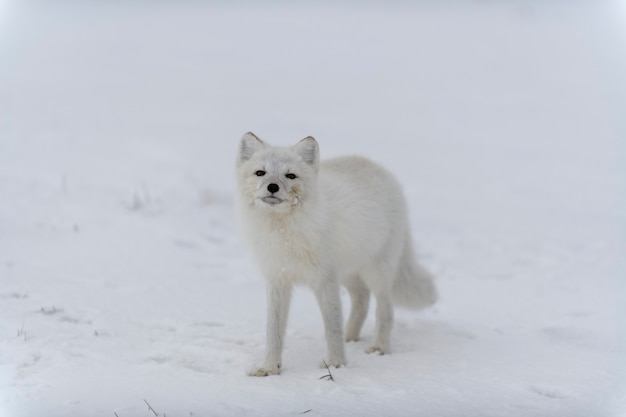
(123, 278)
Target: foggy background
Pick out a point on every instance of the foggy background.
(123, 277)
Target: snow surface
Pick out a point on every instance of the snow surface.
(124, 282)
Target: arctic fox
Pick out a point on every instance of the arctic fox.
(341, 221)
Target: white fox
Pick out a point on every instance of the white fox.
(342, 221)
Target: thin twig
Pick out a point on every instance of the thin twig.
(21, 332)
(150, 408)
(330, 375)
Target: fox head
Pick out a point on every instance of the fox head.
(277, 179)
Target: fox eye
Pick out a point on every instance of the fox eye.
(291, 176)
(260, 173)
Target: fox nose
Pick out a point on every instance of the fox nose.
(272, 188)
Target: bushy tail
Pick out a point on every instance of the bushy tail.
(414, 286)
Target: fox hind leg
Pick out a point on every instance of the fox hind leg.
(384, 323)
(380, 284)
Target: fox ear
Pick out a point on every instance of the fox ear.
(308, 150)
(249, 145)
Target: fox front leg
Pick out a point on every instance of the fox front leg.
(278, 298)
(329, 301)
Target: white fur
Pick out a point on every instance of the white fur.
(342, 221)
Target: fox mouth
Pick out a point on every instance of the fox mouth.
(271, 200)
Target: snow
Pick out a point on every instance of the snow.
(124, 281)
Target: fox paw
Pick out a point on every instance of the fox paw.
(375, 349)
(266, 371)
(336, 363)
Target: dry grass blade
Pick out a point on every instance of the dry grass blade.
(329, 377)
(150, 408)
